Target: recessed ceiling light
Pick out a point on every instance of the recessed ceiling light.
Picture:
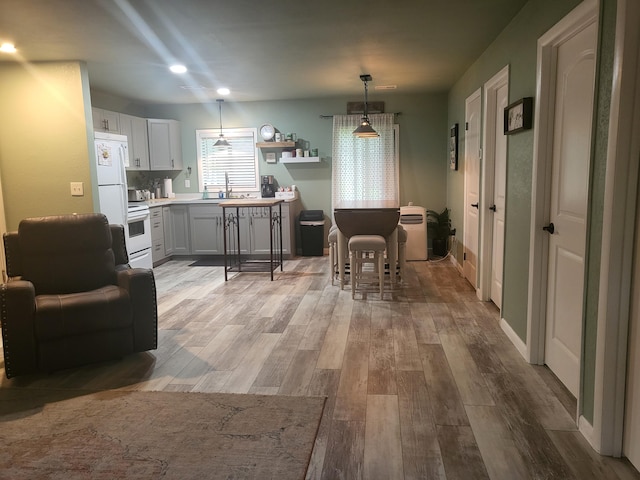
(223, 91)
(7, 48)
(178, 69)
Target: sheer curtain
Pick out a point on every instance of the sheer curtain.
(364, 168)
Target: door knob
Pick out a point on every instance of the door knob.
(492, 208)
(549, 228)
(474, 205)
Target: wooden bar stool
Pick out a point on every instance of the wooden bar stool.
(333, 251)
(360, 246)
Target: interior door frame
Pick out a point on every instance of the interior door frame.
(618, 231)
(476, 94)
(487, 182)
(582, 16)
(579, 18)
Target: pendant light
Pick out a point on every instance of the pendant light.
(365, 130)
(222, 142)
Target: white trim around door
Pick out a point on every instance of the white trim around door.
(618, 229)
(583, 15)
(491, 119)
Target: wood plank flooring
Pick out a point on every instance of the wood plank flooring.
(420, 385)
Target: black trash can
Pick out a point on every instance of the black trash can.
(312, 232)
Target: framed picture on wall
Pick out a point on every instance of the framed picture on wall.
(518, 116)
(453, 147)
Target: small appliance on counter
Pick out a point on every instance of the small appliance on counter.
(268, 186)
(136, 195)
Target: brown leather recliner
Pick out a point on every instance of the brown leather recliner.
(71, 297)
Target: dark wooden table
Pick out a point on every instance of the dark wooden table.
(366, 217)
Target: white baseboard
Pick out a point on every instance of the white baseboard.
(586, 429)
(455, 263)
(515, 339)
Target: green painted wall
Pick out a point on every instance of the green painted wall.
(45, 139)
(516, 46)
(423, 142)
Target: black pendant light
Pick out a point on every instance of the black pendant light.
(222, 142)
(365, 130)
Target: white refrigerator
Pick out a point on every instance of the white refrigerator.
(112, 155)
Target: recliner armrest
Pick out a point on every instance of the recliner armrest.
(17, 304)
(141, 285)
(119, 245)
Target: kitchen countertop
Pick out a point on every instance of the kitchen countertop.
(159, 202)
(251, 202)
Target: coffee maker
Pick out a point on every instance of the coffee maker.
(268, 186)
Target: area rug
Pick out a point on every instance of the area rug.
(58, 434)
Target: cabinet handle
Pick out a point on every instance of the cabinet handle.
(474, 205)
(492, 208)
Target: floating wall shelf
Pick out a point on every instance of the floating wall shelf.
(276, 144)
(299, 159)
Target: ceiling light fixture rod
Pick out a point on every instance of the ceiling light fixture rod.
(222, 142)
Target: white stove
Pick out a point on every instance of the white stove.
(139, 235)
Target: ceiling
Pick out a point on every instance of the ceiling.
(269, 50)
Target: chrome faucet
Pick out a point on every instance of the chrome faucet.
(226, 185)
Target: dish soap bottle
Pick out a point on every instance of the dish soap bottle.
(205, 194)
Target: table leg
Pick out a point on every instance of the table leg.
(342, 250)
(392, 254)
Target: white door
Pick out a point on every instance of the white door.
(571, 152)
(494, 181)
(497, 208)
(472, 114)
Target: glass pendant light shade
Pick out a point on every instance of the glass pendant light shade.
(222, 142)
(365, 130)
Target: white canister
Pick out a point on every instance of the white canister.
(278, 137)
(299, 152)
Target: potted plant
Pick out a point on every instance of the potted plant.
(439, 231)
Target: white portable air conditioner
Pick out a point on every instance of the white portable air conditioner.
(414, 221)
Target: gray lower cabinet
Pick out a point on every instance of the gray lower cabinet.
(168, 230)
(207, 229)
(180, 229)
(258, 230)
(198, 229)
(157, 235)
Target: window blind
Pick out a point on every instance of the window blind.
(240, 161)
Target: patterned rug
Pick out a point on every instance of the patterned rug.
(63, 434)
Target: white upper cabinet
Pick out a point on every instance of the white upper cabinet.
(165, 144)
(135, 128)
(105, 120)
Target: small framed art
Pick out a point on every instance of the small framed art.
(453, 147)
(518, 116)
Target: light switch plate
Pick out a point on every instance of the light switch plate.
(187, 183)
(77, 189)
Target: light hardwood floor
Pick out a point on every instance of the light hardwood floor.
(421, 385)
